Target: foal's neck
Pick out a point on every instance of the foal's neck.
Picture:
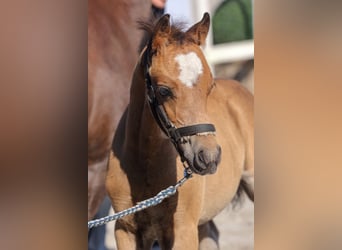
(143, 134)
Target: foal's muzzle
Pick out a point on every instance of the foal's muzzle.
(206, 160)
(202, 154)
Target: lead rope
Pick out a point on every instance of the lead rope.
(143, 204)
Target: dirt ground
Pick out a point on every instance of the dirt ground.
(236, 227)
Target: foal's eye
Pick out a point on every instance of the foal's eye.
(164, 91)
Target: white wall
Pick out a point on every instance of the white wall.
(181, 10)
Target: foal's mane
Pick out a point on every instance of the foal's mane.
(176, 36)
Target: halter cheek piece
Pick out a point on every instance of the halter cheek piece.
(175, 134)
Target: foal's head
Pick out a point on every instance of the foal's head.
(182, 82)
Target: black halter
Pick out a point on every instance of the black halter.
(159, 114)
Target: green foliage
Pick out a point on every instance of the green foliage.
(233, 21)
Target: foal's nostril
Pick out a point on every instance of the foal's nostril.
(201, 156)
(206, 159)
(208, 156)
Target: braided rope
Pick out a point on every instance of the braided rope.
(143, 204)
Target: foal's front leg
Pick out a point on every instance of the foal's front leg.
(131, 241)
(124, 238)
(184, 237)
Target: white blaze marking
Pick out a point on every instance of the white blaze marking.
(190, 67)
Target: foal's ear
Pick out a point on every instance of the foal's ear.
(163, 26)
(199, 31)
(161, 31)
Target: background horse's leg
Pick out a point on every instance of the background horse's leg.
(96, 235)
(96, 186)
(208, 236)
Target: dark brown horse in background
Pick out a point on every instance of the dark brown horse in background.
(113, 42)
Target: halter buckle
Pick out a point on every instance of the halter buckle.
(174, 134)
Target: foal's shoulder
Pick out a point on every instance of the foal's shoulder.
(238, 100)
(232, 89)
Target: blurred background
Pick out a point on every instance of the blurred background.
(43, 109)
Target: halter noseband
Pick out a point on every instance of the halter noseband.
(175, 134)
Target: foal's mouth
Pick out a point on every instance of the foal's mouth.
(201, 162)
(210, 169)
